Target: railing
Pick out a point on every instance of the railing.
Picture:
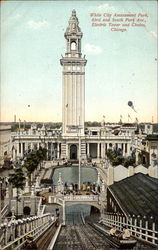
(13, 233)
(73, 198)
(81, 198)
(140, 228)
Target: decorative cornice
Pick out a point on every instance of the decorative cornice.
(73, 73)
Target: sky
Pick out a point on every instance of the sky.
(121, 66)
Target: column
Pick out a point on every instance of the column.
(58, 151)
(31, 145)
(102, 150)
(51, 151)
(14, 155)
(17, 148)
(137, 158)
(26, 146)
(98, 150)
(88, 150)
(67, 151)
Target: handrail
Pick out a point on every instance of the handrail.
(52, 243)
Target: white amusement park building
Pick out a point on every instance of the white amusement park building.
(74, 139)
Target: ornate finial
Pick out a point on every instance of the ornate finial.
(74, 13)
(73, 24)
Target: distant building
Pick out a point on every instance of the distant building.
(152, 148)
(5, 143)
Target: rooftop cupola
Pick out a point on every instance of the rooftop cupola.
(73, 36)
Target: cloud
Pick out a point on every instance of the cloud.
(17, 16)
(153, 33)
(92, 49)
(106, 7)
(37, 25)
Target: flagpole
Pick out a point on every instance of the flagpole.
(79, 172)
(19, 124)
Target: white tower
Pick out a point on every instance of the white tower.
(73, 99)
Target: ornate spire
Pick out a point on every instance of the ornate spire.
(73, 24)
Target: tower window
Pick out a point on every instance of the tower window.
(73, 46)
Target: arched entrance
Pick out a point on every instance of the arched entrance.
(26, 210)
(73, 152)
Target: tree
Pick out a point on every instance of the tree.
(17, 179)
(33, 159)
(118, 160)
(129, 161)
(115, 157)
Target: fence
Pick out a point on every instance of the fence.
(14, 232)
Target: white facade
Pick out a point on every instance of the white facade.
(73, 99)
(5, 143)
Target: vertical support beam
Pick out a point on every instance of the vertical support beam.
(146, 231)
(153, 234)
(140, 225)
(121, 224)
(135, 224)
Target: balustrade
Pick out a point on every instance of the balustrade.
(73, 198)
(13, 233)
